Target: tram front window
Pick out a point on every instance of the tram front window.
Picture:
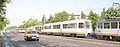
(81, 25)
(87, 24)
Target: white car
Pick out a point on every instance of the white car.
(31, 35)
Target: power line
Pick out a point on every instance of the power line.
(92, 3)
(117, 5)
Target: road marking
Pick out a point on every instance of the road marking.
(72, 44)
(99, 42)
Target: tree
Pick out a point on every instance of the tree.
(102, 14)
(43, 20)
(3, 20)
(31, 22)
(3, 6)
(60, 17)
(50, 18)
(94, 17)
(83, 16)
(111, 12)
(72, 18)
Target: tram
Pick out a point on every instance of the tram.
(73, 27)
(21, 30)
(38, 28)
(108, 29)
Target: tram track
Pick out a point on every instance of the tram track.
(86, 39)
(59, 41)
(9, 42)
(18, 41)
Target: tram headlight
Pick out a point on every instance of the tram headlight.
(28, 36)
(37, 35)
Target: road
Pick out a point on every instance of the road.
(59, 41)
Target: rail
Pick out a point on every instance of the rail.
(6, 42)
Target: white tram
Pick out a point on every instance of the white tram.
(38, 28)
(72, 27)
(108, 29)
(21, 30)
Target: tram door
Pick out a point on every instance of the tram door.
(38, 29)
(99, 28)
(119, 29)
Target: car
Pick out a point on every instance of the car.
(31, 35)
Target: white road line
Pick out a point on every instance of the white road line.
(71, 44)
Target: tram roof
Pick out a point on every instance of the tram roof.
(75, 21)
(70, 21)
(110, 20)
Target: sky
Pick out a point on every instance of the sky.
(22, 10)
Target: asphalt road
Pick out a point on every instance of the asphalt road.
(58, 41)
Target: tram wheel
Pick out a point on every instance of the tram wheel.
(88, 36)
(99, 37)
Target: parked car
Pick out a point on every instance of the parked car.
(31, 35)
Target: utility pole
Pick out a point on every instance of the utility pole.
(116, 5)
(43, 20)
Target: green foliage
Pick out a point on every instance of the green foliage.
(3, 20)
(102, 14)
(31, 22)
(3, 6)
(72, 18)
(111, 12)
(59, 17)
(94, 17)
(49, 20)
(43, 20)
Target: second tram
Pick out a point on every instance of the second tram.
(108, 29)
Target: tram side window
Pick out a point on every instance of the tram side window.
(114, 25)
(106, 26)
(119, 24)
(37, 28)
(81, 25)
(47, 27)
(72, 25)
(65, 26)
(56, 26)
